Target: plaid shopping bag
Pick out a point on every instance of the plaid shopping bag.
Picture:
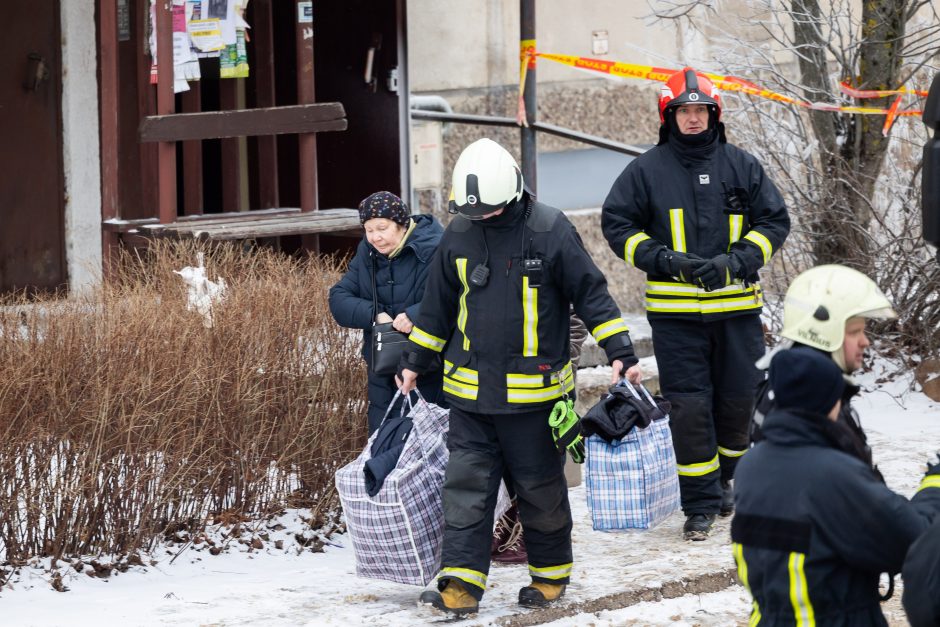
(632, 483)
(397, 533)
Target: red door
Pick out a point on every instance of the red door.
(31, 186)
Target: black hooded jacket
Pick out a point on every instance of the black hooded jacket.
(497, 308)
(707, 198)
(922, 580)
(853, 439)
(814, 526)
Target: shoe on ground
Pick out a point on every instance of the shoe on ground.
(508, 547)
(697, 526)
(727, 499)
(538, 594)
(453, 599)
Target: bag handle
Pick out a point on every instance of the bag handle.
(406, 406)
(415, 424)
(391, 404)
(633, 390)
(375, 300)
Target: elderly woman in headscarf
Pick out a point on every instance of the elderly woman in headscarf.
(397, 247)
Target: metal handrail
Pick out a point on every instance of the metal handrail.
(542, 127)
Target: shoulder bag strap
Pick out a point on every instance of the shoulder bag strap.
(375, 300)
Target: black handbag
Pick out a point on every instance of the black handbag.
(387, 343)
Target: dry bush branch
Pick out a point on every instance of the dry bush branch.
(123, 417)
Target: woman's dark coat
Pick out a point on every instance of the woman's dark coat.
(400, 286)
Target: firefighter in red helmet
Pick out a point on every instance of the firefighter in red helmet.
(700, 217)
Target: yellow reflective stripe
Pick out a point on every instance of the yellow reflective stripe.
(729, 452)
(462, 313)
(629, 248)
(611, 327)
(551, 572)
(735, 226)
(738, 551)
(530, 319)
(672, 306)
(678, 229)
(679, 306)
(799, 594)
(474, 577)
(518, 395)
(732, 304)
(455, 388)
(525, 380)
(662, 288)
(520, 380)
(930, 481)
(425, 339)
(699, 469)
(761, 242)
(464, 375)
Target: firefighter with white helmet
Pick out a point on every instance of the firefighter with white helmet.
(497, 309)
(826, 305)
(700, 217)
(827, 308)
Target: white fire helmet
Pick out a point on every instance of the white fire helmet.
(486, 178)
(821, 300)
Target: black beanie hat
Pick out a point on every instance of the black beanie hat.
(804, 378)
(384, 205)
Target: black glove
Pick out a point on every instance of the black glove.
(679, 265)
(716, 273)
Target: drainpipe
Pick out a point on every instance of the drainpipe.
(431, 103)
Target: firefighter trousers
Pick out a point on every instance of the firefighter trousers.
(707, 373)
(481, 448)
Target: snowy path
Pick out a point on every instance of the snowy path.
(281, 588)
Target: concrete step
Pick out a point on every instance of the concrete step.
(593, 355)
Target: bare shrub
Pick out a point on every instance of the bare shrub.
(122, 416)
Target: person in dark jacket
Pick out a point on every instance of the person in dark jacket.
(400, 246)
(921, 575)
(700, 217)
(826, 308)
(814, 526)
(497, 305)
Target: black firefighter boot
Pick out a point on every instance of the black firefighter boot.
(453, 598)
(697, 526)
(539, 594)
(727, 499)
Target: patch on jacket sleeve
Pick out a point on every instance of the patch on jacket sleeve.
(771, 533)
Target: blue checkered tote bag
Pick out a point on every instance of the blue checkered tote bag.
(397, 534)
(632, 483)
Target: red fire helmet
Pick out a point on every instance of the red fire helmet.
(688, 87)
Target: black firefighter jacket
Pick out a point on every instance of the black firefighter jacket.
(815, 526)
(717, 203)
(506, 343)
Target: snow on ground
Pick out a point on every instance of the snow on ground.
(291, 586)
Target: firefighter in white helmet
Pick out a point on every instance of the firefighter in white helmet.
(497, 309)
(827, 308)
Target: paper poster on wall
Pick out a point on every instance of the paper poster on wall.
(217, 9)
(233, 63)
(305, 12)
(123, 20)
(206, 35)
